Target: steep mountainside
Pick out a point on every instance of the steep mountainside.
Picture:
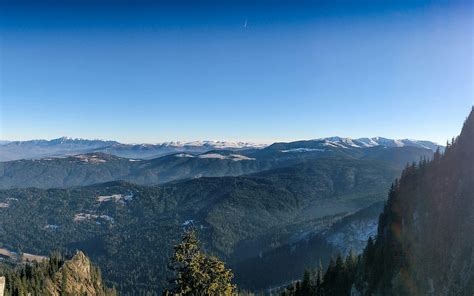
(309, 246)
(425, 240)
(55, 276)
(129, 227)
(92, 168)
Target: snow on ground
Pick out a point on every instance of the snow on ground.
(215, 144)
(375, 141)
(332, 144)
(341, 142)
(300, 150)
(234, 157)
(188, 222)
(237, 157)
(213, 155)
(51, 226)
(80, 217)
(115, 197)
(184, 155)
(366, 142)
(89, 158)
(354, 235)
(192, 223)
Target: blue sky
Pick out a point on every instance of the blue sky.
(235, 70)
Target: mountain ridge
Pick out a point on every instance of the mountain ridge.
(99, 167)
(65, 146)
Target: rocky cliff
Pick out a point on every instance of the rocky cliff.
(77, 276)
(55, 276)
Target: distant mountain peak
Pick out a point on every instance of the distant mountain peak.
(380, 141)
(65, 146)
(216, 144)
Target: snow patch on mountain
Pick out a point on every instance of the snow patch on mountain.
(90, 158)
(80, 217)
(115, 197)
(186, 155)
(214, 144)
(354, 236)
(376, 141)
(300, 150)
(234, 157)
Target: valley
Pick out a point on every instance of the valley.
(236, 148)
(258, 210)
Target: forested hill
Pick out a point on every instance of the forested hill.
(425, 235)
(425, 238)
(93, 168)
(126, 227)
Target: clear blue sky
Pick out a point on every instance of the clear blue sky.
(235, 70)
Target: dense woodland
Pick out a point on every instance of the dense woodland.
(424, 244)
(238, 218)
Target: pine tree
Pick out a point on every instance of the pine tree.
(197, 273)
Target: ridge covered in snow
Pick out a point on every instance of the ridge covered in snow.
(378, 141)
(71, 141)
(65, 146)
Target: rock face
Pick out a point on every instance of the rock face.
(77, 277)
(2, 285)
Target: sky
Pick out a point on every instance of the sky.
(260, 71)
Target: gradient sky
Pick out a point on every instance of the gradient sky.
(261, 71)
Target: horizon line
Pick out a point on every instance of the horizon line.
(258, 142)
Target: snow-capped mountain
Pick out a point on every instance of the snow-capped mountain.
(66, 146)
(45, 148)
(379, 141)
(213, 144)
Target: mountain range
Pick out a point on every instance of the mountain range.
(64, 146)
(99, 167)
(259, 208)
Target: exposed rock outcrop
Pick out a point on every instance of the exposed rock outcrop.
(77, 277)
(2, 285)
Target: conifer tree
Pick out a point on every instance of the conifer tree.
(306, 289)
(197, 273)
